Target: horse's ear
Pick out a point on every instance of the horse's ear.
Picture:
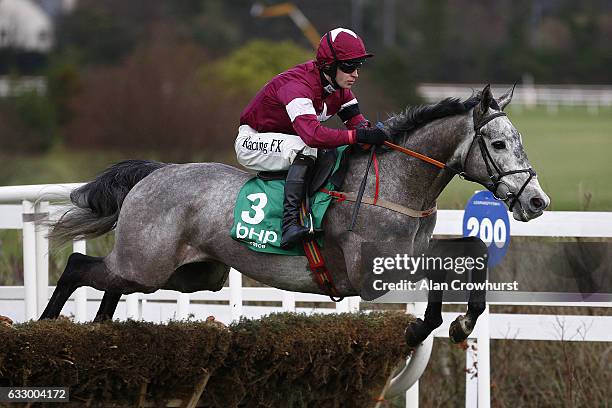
(505, 99)
(485, 101)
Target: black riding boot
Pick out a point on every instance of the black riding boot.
(295, 191)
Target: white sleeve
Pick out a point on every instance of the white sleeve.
(300, 106)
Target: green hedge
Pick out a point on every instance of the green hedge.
(288, 360)
(110, 361)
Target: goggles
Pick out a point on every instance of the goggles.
(348, 67)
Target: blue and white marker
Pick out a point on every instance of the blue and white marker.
(487, 218)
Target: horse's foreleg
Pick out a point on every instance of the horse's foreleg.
(463, 326)
(419, 330)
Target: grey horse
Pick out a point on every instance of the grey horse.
(172, 221)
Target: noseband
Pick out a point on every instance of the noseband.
(496, 174)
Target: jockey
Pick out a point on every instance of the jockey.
(280, 128)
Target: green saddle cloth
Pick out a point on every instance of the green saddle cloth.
(258, 214)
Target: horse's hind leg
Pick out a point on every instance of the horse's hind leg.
(109, 303)
(463, 326)
(81, 270)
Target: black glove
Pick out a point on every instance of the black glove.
(373, 136)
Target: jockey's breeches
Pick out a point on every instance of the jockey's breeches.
(268, 151)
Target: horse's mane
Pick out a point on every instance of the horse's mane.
(415, 117)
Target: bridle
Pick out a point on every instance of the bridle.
(496, 174)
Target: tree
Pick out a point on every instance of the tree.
(248, 68)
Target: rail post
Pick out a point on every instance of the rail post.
(235, 284)
(29, 260)
(80, 295)
(41, 211)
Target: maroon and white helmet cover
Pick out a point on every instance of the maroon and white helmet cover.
(347, 46)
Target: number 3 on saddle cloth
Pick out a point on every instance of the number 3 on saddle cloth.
(258, 212)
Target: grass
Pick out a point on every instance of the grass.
(524, 373)
(570, 151)
(62, 165)
(58, 166)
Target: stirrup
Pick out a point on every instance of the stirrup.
(296, 238)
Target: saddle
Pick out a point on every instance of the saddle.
(258, 211)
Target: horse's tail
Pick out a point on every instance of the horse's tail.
(96, 205)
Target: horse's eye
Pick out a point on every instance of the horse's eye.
(499, 145)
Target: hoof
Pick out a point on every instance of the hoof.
(416, 333)
(460, 329)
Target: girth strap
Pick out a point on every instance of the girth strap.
(319, 270)
(316, 262)
(341, 196)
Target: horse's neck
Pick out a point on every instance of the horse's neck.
(417, 182)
